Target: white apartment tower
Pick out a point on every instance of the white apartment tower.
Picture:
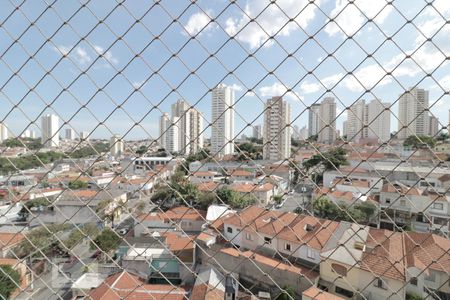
(327, 121)
(413, 113)
(84, 135)
(3, 132)
(433, 126)
(190, 126)
(313, 120)
(368, 121)
(172, 136)
(277, 130)
(164, 122)
(50, 130)
(70, 134)
(222, 121)
(116, 146)
(257, 132)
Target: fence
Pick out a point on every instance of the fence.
(285, 149)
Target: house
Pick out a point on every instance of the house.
(81, 207)
(22, 269)
(125, 285)
(314, 293)
(262, 192)
(201, 177)
(211, 284)
(8, 241)
(181, 218)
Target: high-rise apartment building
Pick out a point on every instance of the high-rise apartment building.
(84, 135)
(172, 136)
(433, 126)
(3, 132)
(190, 127)
(164, 122)
(257, 132)
(327, 121)
(277, 130)
(368, 121)
(303, 134)
(50, 130)
(116, 146)
(70, 134)
(413, 113)
(313, 120)
(222, 121)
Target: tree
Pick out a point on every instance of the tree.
(277, 198)
(325, 208)
(443, 136)
(419, 142)
(42, 240)
(206, 199)
(330, 160)
(9, 281)
(77, 185)
(413, 296)
(106, 241)
(368, 209)
(79, 234)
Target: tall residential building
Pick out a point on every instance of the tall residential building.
(190, 137)
(277, 130)
(50, 130)
(172, 136)
(327, 121)
(195, 131)
(116, 146)
(257, 132)
(164, 122)
(303, 133)
(413, 113)
(84, 135)
(222, 120)
(433, 126)
(70, 134)
(313, 120)
(368, 121)
(32, 134)
(26, 134)
(355, 121)
(3, 132)
(378, 121)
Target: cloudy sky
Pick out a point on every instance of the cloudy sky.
(105, 67)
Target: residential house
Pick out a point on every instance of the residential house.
(8, 241)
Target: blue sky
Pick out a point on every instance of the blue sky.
(149, 83)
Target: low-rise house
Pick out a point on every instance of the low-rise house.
(22, 269)
(201, 177)
(125, 285)
(8, 241)
(418, 209)
(179, 218)
(262, 192)
(240, 175)
(211, 284)
(81, 207)
(371, 180)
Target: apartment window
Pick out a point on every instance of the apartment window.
(413, 281)
(402, 202)
(229, 230)
(267, 240)
(310, 253)
(287, 247)
(388, 200)
(344, 292)
(440, 221)
(439, 206)
(248, 236)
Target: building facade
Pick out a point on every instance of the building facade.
(313, 119)
(413, 113)
(327, 121)
(116, 145)
(50, 130)
(222, 120)
(277, 130)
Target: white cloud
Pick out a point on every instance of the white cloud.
(274, 19)
(198, 21)
(331, 80)
(309, 88)
(351, 16)
(277, 89)
(79, 54)
(108, 56)
(237, 87)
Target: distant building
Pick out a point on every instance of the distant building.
(277, 130)
(190, 127)
(413, 113)
(303, 134)
(327, 121)
(164, 122)
(172, 136)
(355, 121)
(222, 120)
(70, 134)
(313, 119)
(84, 135)
(116, 145)
(50, 130)
(433, 127)
(257, 132)
(3, 132)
